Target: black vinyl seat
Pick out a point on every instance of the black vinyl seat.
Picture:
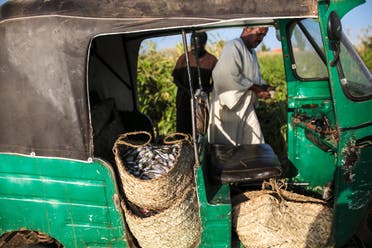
(243, 164)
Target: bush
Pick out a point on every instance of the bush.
(156, 91)
(272, 113)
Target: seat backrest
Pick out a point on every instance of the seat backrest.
(243, 164)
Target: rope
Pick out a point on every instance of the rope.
(276, 186)
(279, 187)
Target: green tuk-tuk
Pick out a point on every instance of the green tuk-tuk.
(59, 184)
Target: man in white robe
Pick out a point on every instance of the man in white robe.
(237, 83)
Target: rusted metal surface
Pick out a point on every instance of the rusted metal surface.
(218, 9)
(350, 158)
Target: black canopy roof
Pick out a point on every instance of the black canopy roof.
(43, 58)
(215, 9)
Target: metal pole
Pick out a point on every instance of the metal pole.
(192, 96)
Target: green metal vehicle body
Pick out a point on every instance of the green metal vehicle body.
(53, 180)
(79, 210)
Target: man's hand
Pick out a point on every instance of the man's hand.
(260, 91)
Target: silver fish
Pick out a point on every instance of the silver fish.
(149, 162)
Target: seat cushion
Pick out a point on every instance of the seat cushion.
(243, 164)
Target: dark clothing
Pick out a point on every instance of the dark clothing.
(180, 75)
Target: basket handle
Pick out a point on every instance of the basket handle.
(121, 140)
(172, 138)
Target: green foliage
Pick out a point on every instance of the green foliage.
(272, 69)
(264, 48)
(272, 113)
(365, 49)
(156, 91)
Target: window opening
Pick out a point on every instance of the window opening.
(307, 50)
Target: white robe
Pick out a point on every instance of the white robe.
(232, 117)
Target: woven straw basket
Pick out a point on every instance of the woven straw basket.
(178, 226)
(157, 193)
(282, 219)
